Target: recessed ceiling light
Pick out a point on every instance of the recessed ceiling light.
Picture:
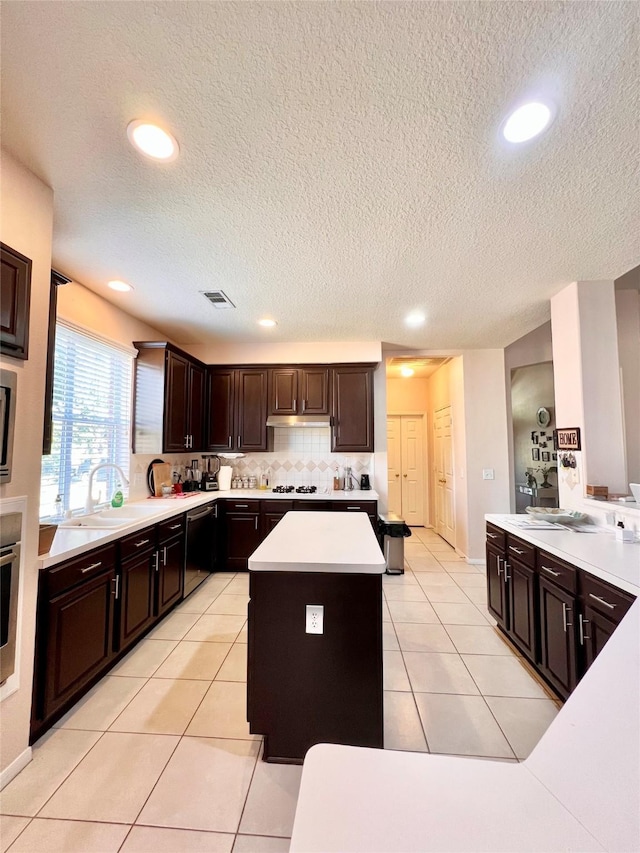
(407, 371)
(526, 122)
(267, 323)
(415, 319)
(152, 141)
(120, 286)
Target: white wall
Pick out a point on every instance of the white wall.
(628, 322)
(587, 387)
(26, 221)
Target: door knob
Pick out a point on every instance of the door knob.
(397, 475)
(404, 475)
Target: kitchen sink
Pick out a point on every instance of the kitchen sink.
(128, 511)
(95, 522)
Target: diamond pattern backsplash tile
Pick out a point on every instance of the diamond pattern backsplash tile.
(302, 457)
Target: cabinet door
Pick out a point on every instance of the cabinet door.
(243, 537)
(251, 409)
(270, 520)
(197, 393)
(314, 391)
(14, 303)
(221, 403)
(170, 574)
(79, 640)
(521, 584)
(176, 403)
(352, 410)
(595, 630)
(496, 589)
(283, 391)
(558, 616)
(136, 596)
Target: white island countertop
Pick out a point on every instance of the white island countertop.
(320, 542)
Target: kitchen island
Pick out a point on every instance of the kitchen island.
(315, 635)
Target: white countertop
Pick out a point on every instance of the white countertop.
(73, 541)
(320, 542)
(578, 790)
(600, 554)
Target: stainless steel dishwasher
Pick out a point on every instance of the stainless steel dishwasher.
(201, 546)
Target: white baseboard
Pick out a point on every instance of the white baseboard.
(476, 562)
(15, 767)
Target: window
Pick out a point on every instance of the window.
(91, 420)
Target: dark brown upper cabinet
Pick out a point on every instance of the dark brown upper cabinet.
(237, 403)
(15, 298)
(169, 401)
(57, 279)
(299, 391)
(352, 409)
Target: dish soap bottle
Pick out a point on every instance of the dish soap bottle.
(118, 498)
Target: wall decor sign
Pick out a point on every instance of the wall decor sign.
(566, 439)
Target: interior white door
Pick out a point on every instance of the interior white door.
(445, 483)
(394, 465)
(406, 467)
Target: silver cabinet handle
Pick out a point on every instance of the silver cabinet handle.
(116, 592)
(238, 440)
(175, 527)
(565, 624)
(89, 568)
(294, 404)
(256, 522)
(156, 561)
(490, 535)
(142, 542)
(186, 442)
(602, 601)
(551, 572)
(581, 623)
(499, 569)
(506, 576)
(242, 506)
(517, 550)
(229, 441)
(164, 556)
(353, 507)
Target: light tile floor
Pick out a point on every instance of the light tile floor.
(158, 757)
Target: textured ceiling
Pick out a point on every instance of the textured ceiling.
(340, 162)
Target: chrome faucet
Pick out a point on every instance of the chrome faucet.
(90, 503)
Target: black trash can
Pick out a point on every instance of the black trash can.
(392, 531)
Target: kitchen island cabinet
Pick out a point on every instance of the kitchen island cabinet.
(311, 681)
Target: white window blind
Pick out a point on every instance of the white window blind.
(91, 420)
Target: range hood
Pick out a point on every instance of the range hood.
(308, 421)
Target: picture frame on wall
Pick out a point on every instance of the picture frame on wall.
(534, 437)
(535, 454)
(545, 456)
(554, 457)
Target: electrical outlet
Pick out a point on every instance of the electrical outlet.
(315, 619)
(488, 474)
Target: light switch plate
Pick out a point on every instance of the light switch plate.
(488, 474)
(315, 619)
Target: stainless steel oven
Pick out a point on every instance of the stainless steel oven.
(10, 528)
(8, 384)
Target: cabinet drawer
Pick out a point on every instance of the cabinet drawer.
(137, 543)
(355, 506)
(81, 569)
(277, 506)
(247, 506)
(605, 598)
(170, 528)
(520, 550)
(557, 571)
(312, 505)
(496, 537)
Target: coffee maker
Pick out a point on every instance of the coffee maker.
(210, 468)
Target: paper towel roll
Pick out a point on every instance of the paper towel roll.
(224, 477)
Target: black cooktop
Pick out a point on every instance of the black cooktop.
(301, 490)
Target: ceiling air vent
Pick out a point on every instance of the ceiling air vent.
(218, 298)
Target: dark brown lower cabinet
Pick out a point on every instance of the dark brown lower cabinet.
(497, 602)
(558, 648)
(521, 584)
(170, 574)
(595, 629)
(243, 537)
(137, 584)
(305, 688)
